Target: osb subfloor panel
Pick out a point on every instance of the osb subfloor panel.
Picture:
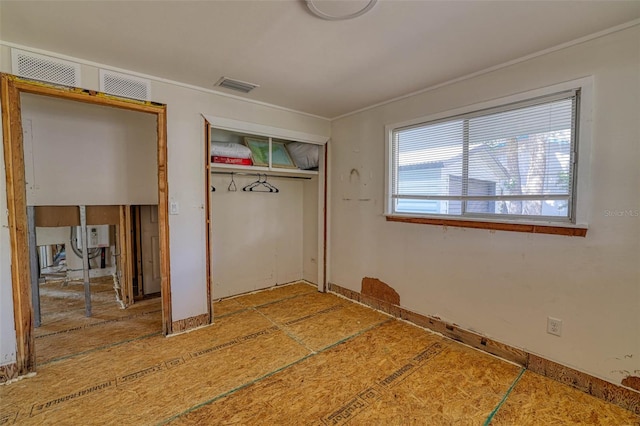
(287, 356)
(66, 331)
(537, 399)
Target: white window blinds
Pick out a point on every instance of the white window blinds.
(514, 161)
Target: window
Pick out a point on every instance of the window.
(513, 162)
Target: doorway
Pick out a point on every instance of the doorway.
(11, 88)
(146, 234)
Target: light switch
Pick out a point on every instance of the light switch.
(174, 208)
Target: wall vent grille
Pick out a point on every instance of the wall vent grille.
(237, 85)
(45, 68)
(124, 85)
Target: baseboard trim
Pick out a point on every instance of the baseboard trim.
(190, 323)
(610, 392)
(9, 372)
(607, 391)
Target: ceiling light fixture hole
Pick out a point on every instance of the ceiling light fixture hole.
(340, 5)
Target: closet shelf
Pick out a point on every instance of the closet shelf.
(261, 169)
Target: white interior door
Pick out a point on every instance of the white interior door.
(150, 249)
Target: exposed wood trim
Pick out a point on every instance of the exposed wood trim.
(615, 394)
(8, 372)
(496, 226)
(10, 89)
(163, 221)
(207, 215)
(82, 95)
(450, 330)
(186, 324)
(123, 255)
(17, 209)
(610, 392)
(126, 254)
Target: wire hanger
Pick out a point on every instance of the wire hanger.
(232, 186)
(257, 185)
(254, 186)
(268, 185)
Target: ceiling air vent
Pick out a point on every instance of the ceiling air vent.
(237, 85)
(45, 68)
(124, 85)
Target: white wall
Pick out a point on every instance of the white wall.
(77, 153)
(185, 138)
(505, 284)
(257, 237)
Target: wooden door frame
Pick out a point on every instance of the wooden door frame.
(207, 218)
(10, 89)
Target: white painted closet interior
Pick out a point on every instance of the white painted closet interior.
(261, 239)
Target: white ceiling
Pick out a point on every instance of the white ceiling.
(326, 68)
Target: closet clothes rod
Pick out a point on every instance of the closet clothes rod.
(260, 174)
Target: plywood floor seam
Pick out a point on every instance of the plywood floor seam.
(504, 398)
(99, 348)
(286, 356)
(290, 335)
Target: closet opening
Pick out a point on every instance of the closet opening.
(266, 207)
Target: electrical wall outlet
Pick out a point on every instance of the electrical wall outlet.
(554, 326)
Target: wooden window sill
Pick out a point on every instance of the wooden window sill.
(497, 226)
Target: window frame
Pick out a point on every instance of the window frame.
(576, 224)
